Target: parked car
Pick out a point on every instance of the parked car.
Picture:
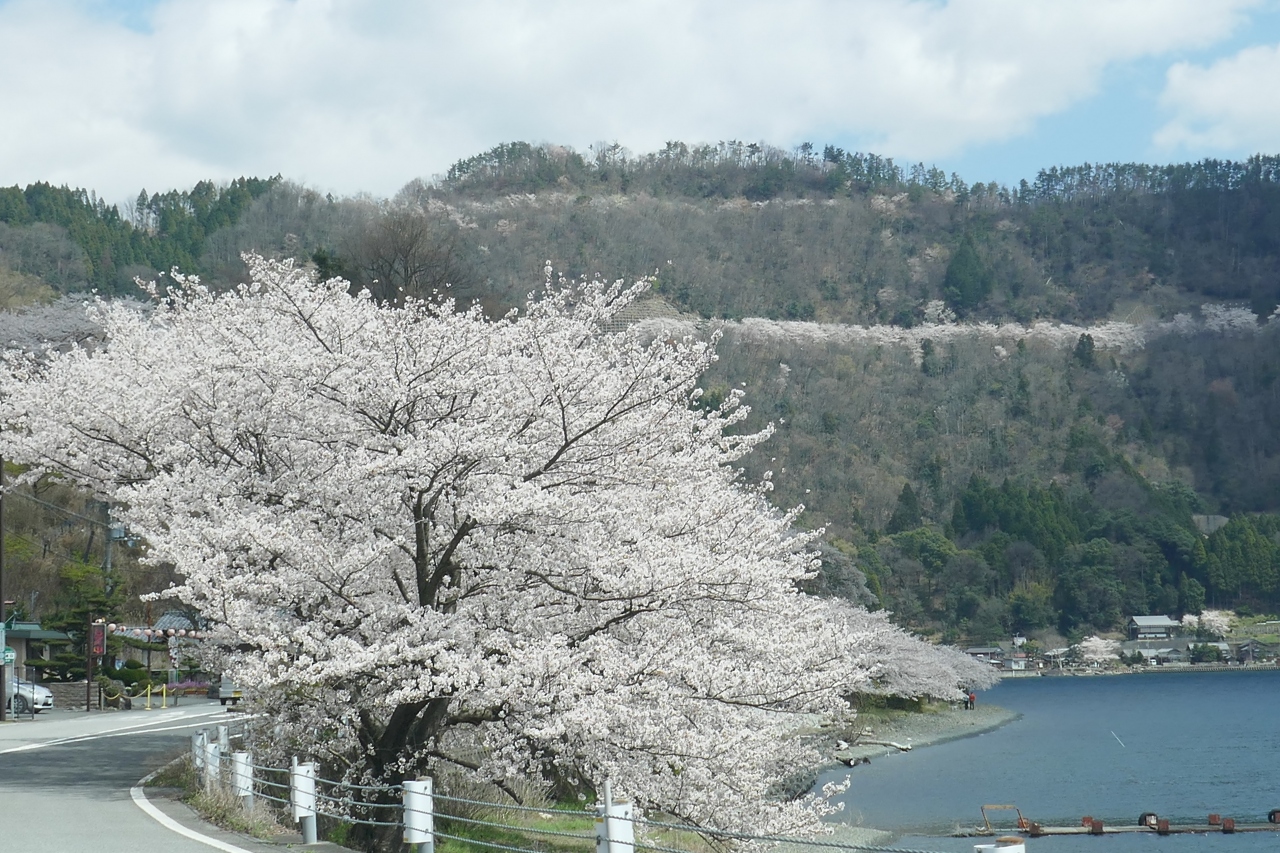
(225, 691)
(23, 697)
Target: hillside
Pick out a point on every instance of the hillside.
(1007, 406)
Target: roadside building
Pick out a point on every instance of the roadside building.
(30, 642)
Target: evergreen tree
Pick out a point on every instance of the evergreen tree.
(1084, 351)
(968, 282)
(906, 515)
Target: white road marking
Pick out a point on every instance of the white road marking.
(140, 797)
(136, 729)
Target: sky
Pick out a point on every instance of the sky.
(362, 96)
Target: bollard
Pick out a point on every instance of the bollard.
(224, 738)
(1095, 828)
(1162, 826)
(1087, 820)
(419, 817)
(1215, 819)
(302, 798)
(1228, 825)
(148, 697)
(242, 778)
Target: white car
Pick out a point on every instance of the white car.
(23, 697)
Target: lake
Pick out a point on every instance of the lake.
(1179, 744)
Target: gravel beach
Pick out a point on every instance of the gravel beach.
(917, 730)
(935, 725)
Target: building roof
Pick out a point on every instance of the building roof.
(21, 630)
(173, 619)
(35, 634)
(1155, 622)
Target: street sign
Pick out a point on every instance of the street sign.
(9, 655)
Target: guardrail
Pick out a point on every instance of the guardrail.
(414, 807)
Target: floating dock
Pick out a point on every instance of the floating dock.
(1149, 823)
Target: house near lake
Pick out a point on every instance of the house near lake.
(990, 654)
(1152, 627)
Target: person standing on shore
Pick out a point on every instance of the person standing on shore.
(973, 701)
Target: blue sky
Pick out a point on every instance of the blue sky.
(353, 96)
(1118, 124)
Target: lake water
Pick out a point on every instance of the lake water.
(1179, 744)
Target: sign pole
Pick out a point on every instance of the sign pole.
(88, 662)
(95, 645)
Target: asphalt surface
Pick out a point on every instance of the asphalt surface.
(66, 777)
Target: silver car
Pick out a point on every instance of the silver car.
(23, 697)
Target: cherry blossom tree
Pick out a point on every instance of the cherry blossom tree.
(1096, 650)
(1209, 623)
(423, 539)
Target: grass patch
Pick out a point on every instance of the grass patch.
(537, 831)
(176, 774)
(223, 809)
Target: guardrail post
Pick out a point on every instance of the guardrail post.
(419, 814)
(242, 778)
(198, 741)
(615, 825)
(224, 738)
(302, 797)
(212, 765)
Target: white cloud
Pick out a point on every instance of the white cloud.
(353, 96)
(1227, 108)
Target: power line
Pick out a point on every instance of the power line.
(62, 510)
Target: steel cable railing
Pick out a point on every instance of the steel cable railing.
(308, 795)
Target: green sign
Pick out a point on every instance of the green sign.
(9, 655)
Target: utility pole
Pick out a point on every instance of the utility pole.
(4, 670)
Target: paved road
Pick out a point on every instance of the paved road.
(65, 781)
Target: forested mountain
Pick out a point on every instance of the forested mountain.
(1010, 407)
(74, 240)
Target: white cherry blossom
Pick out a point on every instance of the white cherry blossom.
(425, 539)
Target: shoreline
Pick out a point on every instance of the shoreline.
(914, 729)
(1079, 672)
(921, 729)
